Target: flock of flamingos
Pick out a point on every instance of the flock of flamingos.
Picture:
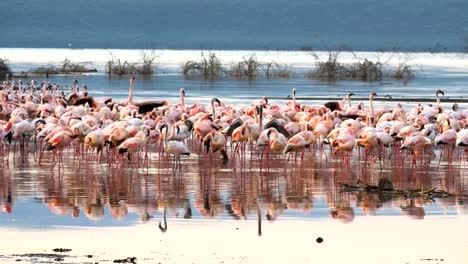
(53, 120)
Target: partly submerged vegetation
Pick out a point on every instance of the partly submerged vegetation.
(4, 69)
(146, 65)
(331, 69)
(210, 67)
(362, 69)
(67, 67)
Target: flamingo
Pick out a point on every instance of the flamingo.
(182, 98)
(295, 143)
(462, 138)
(95, 140)
(416, 143)
(447, 138)
(215, 141)
(176, 148)
(343, 143)
(371, 116)
(277, 141)
(133, 144)
(58, 142)
(143, 106)
(240, 136)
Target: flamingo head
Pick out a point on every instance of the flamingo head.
(182, 92)
(439, 92)
(189, 124)
(215, 100)
(164, 125)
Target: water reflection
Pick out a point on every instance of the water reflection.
(208, 188)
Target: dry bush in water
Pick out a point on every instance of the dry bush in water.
(46, 70)
(329, 70)
(403, 72)
(247, 68)
(4, 69)
(208, 68)
(364, 69)
(69, 67)
(147, 59)
(115, 66)
(276, 70)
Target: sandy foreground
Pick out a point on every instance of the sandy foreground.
(367, 240)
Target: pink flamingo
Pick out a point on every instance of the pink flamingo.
(58, 142)
(95, 140)
(176, 148)
(133, 144)
(215, 141)
(416, 143)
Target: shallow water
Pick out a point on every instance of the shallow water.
(36, 192)
(208, 193)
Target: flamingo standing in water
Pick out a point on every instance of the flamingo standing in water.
(371, 117)
(215, 141)
(416, 143)
(95, 140)
(133, 144)
(176, 148)
(58, 142)
(144, 106)
(447, 138)
(295, 143)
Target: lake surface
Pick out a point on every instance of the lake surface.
(274, 193)
(257, 24)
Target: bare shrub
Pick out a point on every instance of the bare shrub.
(46, 70)
(247, 68)
(69, 67)
(117, 67)
(363, 69)
(4, 69)
(209, 67)
(147, 66)
(276, 70)
(403, 72)
(329, 70)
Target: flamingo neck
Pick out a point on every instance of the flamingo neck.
(130, 92)
(165, 137)
(214, 111)
(260, 122)
(294, 99)
(348, 99)
(53, 97)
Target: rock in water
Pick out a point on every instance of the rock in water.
(385, 184)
